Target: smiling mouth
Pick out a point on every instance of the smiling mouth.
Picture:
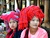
(34, 25)
(12, 26)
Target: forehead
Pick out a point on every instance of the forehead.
(36, 18)
(12, 20)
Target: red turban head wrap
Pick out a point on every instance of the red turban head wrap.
(28, 13)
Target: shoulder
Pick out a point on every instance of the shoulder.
(17, 34)
(23, 33)
(43, 31)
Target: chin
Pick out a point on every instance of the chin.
(12, 28)
(35, 27)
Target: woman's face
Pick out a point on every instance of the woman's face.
(12, 24)
(34, 22)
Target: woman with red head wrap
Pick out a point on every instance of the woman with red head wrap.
(30, 18)
(12, 21)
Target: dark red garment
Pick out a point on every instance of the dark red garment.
(10, 34)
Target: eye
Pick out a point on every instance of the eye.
(10, 22)
(33, 20)
(38, 20)
(13, 21)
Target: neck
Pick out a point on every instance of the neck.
(14, 29)
(33, 30)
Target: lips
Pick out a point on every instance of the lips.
(34, 25)
(12, 26)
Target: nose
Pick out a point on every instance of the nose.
(35, 22)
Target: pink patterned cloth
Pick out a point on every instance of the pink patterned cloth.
(41, 33)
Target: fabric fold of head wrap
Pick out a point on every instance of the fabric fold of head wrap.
(28, 13)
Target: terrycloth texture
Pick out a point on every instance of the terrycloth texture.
(28, 13)
(41, 33)
(12, 15)
(23, 19)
